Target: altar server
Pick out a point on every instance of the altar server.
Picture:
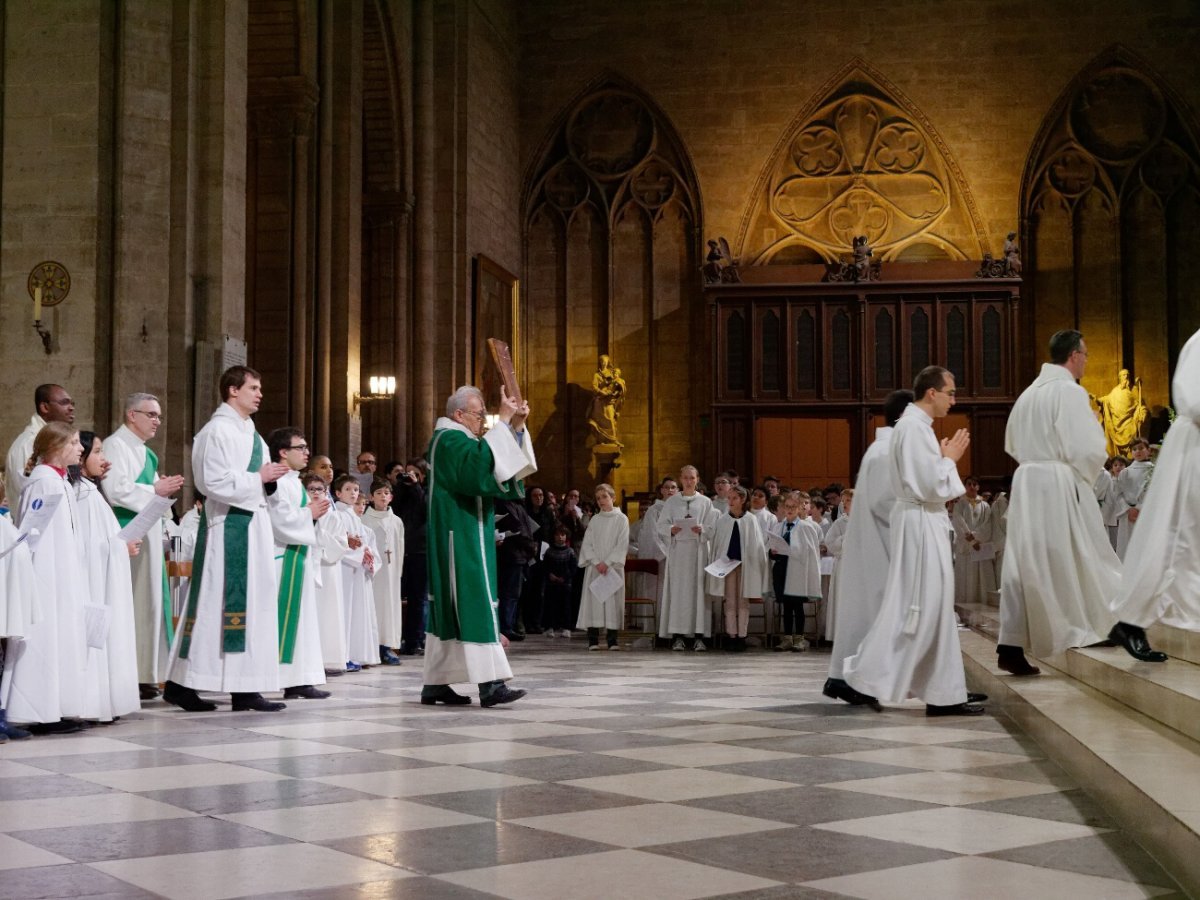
(605, 546)
(684, 528)
(388, 529)
(737, 535)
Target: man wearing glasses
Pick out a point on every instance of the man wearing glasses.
(51, 403)
(129, 487)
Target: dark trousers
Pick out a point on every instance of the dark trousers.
(793, 614)
(413, 588)
(556, 610)
(511, 578)
(531, 598)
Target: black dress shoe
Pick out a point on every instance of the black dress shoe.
(63, 726)
(500, 694)
(955, 709)
(1133, 639)
(251, 702)
(186, 698)
(840, 690)
(304, 692)
(514, 636)
(973, 697)
(432, 694)
(148, 691)
(1012, 660)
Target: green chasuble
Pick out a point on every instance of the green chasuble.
(125, 516)
(461, 532)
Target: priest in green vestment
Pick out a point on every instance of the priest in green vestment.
(468, 469)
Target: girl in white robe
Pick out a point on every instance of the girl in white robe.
(684, 528)
(388, 530)
(737, 535)
(604, 548)
(111, 679)
(362, 627)
(800, 578)
(44, 673)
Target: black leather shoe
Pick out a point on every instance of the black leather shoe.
(1012, 660)
(63, 726)
(186, 698)
(501, 694)
(148, 691)
(956, 709)
(433, 694)
(256, 703)
(973, 697)
(304, 692)
(1133, 639)
(840, 690)
(514, 636)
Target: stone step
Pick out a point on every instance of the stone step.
(1175, 642)
(1146, 774)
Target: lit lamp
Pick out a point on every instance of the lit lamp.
(383, 387)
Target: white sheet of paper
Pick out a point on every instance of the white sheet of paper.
(827, 565)
(542, 550)
(985, 552)
(722, 567)
(145, 520)
(604, 585)
(33, 523)
(686, 533)
(776, 544)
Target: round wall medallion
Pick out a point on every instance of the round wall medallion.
(54, 280)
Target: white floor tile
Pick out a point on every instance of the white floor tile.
(647, 824)
(330, 821)
(418, 782)
(678, 784)
(931, 756)
(16, 854)
(919, 734)
(93, 809)
(315, 730)
(947, 788)
(476, 752)
(248, 750)
(695, 755)
(163, 778)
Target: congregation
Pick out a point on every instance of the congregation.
(287, 572)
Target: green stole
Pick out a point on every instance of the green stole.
(291, 588)
(125, 516)
(237, 547)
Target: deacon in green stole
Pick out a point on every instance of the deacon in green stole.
(131, 484)
(468, 469)
(229, 635)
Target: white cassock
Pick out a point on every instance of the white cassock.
(362, 625)
(1161, 581)
(292, 525)
(111, 679)
(999, 532)
(754, 569)
(331, 600)
(973, 580)
(912, 649)
(605, 541)
(44, 673)
(835, 540)
(686, 609)
(18, 457)
(803, 578)
(1060, 571)
(1131, 488)
(127, 453)
(19, 590)
(389, 566)
(221, 465)
(1112, 505)
(862, 574)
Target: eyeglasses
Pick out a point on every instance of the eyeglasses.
(367, 462)
(477, 413)
(720, 481)
(950, 393)
(152, 416)
(298, 447)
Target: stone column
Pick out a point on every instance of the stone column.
(424, 384)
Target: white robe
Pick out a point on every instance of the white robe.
(999, 532)
(44, 673)
(803, 578)
(866, 550)
(1112, 505)
(1060, 572)
(18, 456)
(220, 457)
(19, 589)
(901, 658)
(389, 566)
(685, 609)
(754, 567)
(834, 541)
(331, 601)
(973, 581)
(362, 625)
(111, 679)
(1131, 488)
(292, 524)
(605, 541)
(127, 453)
(1161, 580)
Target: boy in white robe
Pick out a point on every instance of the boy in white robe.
(974, 580)
(1112, 505)
(388, 530)
(797, 574)
(1131, 487)
(912, 649)
(332, 544)
(737, 536)
(604, 548)
(684, 528)
(358, 566)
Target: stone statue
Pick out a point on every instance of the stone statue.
(861, 266)
(719, 265)
(1122, 413)
(609, 389)
(862, 258)
(1012, 256)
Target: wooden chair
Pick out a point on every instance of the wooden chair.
(639, 607)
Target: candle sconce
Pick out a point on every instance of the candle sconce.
(383, 387)
(48, 285)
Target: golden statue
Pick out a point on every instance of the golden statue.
(609, 389)
(1122, 413)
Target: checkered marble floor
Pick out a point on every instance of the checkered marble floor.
(656, 774)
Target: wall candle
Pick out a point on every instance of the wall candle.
(37, 303)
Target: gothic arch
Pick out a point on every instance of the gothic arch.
(860, 158)
(1110, 219)
(611, 225)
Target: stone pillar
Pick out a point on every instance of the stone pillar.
(425, 388)
(386, 245)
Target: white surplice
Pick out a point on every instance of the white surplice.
(221, 454)
(912, 649)
(19, 589)
(44, 673)
(18, 456)
(111, 679)
(1161, 581)
(605, 541)
(866, 550)
(685, 608)
(292, 524)
(973, 581)
(1131, 488)
(1060, 572)
(332, 545)
(389, 566)
(127, 453)
(1112, 505)
(362, 625)
(754, 568)
(834, 543)
(999, 531)
(803, 578)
